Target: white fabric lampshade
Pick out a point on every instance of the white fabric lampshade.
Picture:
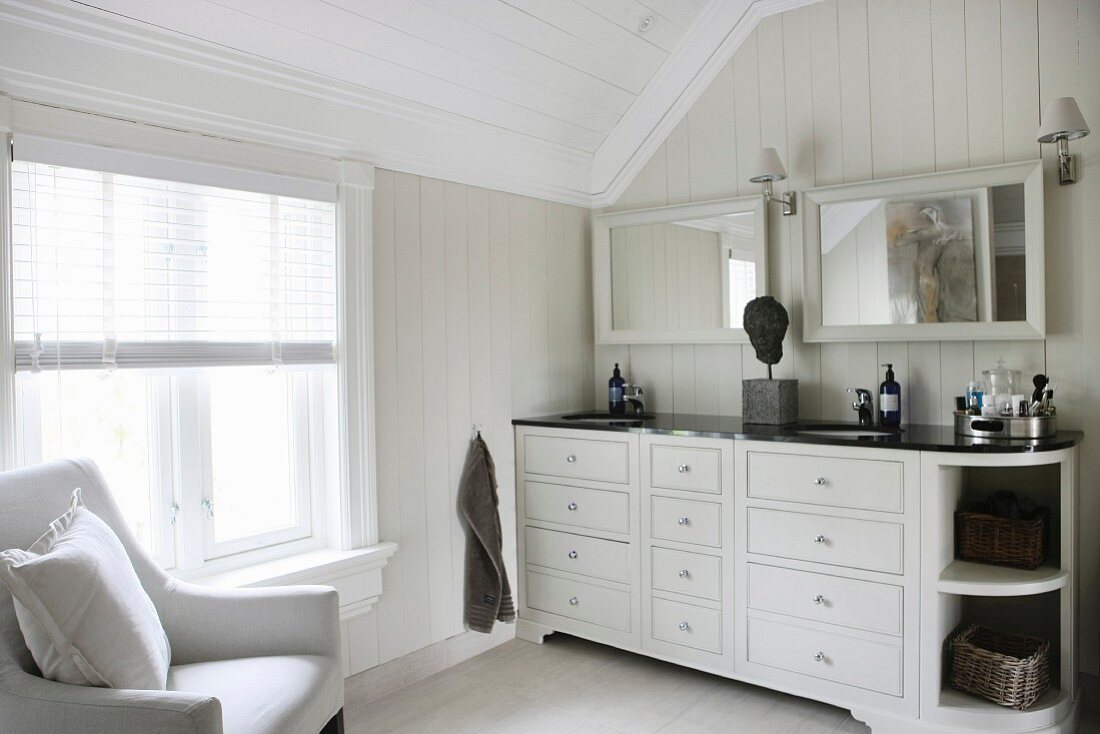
(768, 167)
(1062, 118)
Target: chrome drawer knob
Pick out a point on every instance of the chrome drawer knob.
(819, 539)
(572, 554)
(572, 507)
(684, 626)
(821, 481)
(684, 573)
(574, 601)
(819, 599)
(683, 468)
(683, 521)
(571, 458)
(819, 656)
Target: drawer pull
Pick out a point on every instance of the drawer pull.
(571, 459)
(821, 482)
(683, 468)
(683, 521)
(572, 554)
(572, 507)
(684, 626)
(574, 601)
(819, 539)
(819, 656)
(684, 573)
(819, 599)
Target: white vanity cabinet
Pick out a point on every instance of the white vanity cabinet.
(821, 569)
(828, 559)
(579, 533)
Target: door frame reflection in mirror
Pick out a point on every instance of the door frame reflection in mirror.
(602, 225)
(808, 260)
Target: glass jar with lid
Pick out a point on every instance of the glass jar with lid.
(1002, 384)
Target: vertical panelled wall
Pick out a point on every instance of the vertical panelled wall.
(482, 312)
(851, 90)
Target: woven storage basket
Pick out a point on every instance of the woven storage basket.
(1010, 670)
(1001, 540)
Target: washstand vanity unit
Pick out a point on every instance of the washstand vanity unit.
(817, 560)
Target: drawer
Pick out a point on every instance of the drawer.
(847, 602)
(689, 469)
(816, 480)
(687, 521)
(838, 541)
(687, 625)
(577, 458)
(605, 559)
(871, 665)
(686, 573)
(597, 509)
(579, 600)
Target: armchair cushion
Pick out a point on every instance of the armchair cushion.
(266, 695)
(83, 612)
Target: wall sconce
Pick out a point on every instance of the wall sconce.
(1063, 122)
(771, 169)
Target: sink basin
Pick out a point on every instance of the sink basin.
(597, 417)
(846, 430)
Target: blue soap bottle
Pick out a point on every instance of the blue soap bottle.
(889, 400)
(615, 401)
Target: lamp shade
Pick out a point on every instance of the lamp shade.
(1062, 118)
(768, 167)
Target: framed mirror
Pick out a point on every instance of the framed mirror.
(678, 273)
(956, 255)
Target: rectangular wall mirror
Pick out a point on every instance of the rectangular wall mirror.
(955, 255)
(678, 273)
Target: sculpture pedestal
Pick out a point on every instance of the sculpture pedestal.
(769, 402)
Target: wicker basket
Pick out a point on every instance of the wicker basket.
(1010, 670)
(1001, 540)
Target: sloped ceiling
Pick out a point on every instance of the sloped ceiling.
(562, 99)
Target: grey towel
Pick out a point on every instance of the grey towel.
(488, 595)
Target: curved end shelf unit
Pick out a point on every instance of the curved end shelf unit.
(980, 579)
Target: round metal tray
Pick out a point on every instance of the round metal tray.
(1042, 426)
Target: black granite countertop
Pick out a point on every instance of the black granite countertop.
(911, 437)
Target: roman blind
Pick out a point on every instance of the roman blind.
(118, 270)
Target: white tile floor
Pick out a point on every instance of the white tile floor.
(571, 686)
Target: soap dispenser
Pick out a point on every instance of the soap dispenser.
(889, 400)
(615, 401)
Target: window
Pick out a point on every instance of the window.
(183, 337)
(741, 282)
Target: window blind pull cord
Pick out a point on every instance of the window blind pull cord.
(110, 350)
(36, 352)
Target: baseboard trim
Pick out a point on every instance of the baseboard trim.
(392, 676)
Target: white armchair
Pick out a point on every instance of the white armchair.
(247, 661)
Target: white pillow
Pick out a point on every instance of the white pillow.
(84, 615)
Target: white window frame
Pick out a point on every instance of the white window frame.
(342, 512)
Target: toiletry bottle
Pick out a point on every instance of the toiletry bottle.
(889, 400)
(974, 397)
(615, 402)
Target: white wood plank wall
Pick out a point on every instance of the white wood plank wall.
(849, 90)
(482, 312)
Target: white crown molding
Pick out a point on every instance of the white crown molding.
(61, 53)
(705, 49)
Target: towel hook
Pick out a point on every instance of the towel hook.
(476, 433)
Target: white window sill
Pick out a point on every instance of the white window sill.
(355, 574)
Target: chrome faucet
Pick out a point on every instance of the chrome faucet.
(864, 405)
(634, 396)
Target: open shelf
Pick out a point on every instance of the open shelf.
(965, 709)
(982, 579)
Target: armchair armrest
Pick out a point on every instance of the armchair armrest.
(206, 623)
(32, 704)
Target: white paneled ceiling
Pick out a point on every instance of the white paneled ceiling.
(570, 90)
